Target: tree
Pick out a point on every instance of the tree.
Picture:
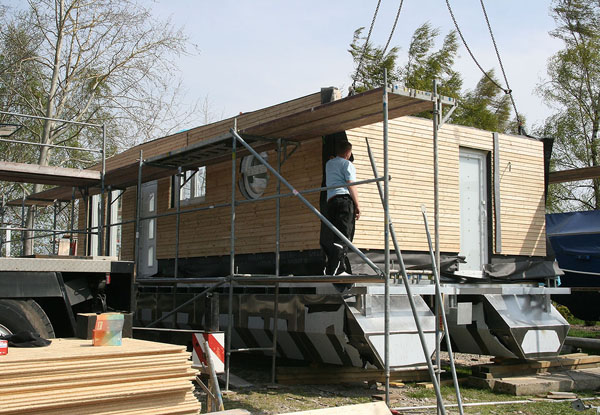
(370, 63)
(573, 89)
(485, 107)
(98, 61)
(424, 65)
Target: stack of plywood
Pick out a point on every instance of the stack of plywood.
(73, 377)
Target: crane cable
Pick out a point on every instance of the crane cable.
(362, 55)
(506, 90)
(359, 67)
(501, 66)
(393, 27)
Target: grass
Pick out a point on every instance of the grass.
(265, 399)
(262, 399)
(288, 399)
(584, 333)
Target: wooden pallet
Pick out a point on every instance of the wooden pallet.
(576, 371)
(72, 377)
(521, 367)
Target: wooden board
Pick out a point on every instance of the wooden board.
(59, 176)
(335, 374)
(80, 349)
(71, 376)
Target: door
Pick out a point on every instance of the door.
(147, 260)
(473, 209)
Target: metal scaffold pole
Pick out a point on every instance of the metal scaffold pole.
(177, 197)
(107, 236)
(101, 218)
(138, 210)
(411, 301)
(277, 264)
(54, 214)
(2, 209)
(23, 224)
(72, 221)
(436, 203)
(386, 236)
(436, 278)
(231, 260)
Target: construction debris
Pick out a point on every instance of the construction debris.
(70, 376)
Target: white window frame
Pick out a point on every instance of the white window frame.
(195, 185)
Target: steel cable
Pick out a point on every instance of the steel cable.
(362, 56)
(506, 91)
(500, 62)
(393, 27)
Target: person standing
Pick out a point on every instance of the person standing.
(342, 206)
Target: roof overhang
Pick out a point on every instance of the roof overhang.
(60, 176)
(339, 115)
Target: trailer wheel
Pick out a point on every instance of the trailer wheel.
(24, 315)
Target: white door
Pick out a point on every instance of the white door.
(147, 260)
(473, 209)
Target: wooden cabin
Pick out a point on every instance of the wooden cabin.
(491, 193)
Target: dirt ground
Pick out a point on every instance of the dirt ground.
(265, 398)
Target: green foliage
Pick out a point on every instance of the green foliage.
(424, 64)
(486, 106)
(564, 311)
(370, 63)
(573, 89)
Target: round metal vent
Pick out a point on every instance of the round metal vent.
(254, 177)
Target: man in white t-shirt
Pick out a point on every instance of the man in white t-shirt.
(342, 206)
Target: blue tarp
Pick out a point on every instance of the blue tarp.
(575, 239)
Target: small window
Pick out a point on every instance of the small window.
(193, 186)
(151, 229)
(151, 202)
(150, 256)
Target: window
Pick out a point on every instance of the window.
(193, 186)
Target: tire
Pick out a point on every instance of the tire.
(24, 315)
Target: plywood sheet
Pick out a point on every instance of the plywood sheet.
(72, 377)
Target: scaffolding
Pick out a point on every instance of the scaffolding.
(217, 149)
(60, 176)
(196, 154)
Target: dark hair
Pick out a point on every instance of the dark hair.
(342, 146)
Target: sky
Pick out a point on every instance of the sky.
(252, 54)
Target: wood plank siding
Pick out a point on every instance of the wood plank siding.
(411, 168)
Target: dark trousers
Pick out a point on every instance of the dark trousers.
(340, 212)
